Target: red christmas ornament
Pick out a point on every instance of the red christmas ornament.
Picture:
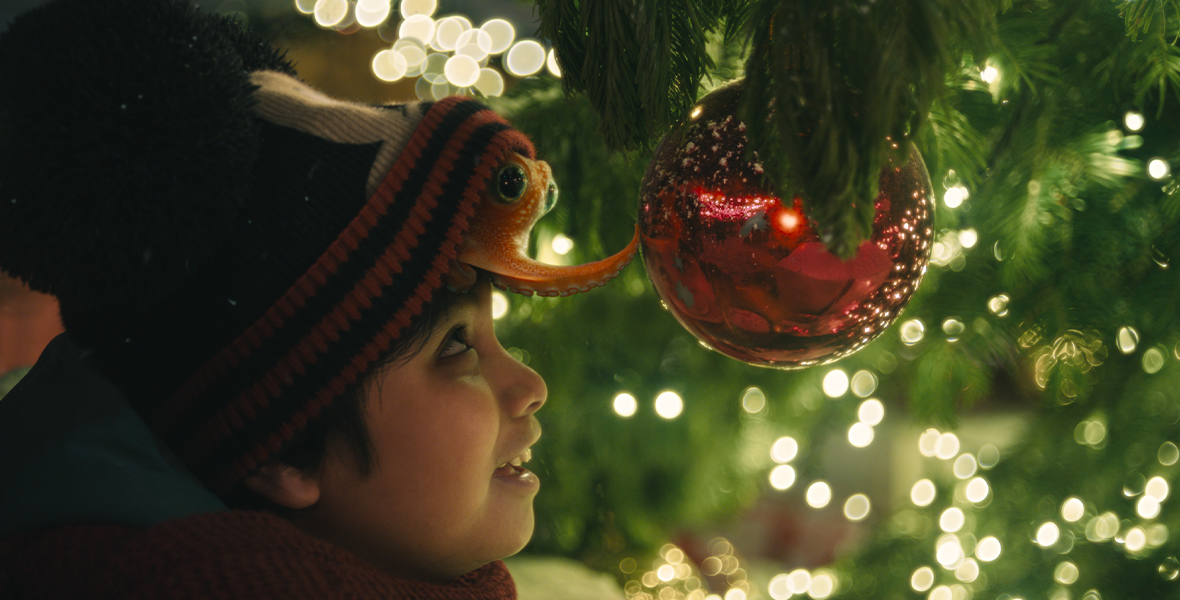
(745, 273)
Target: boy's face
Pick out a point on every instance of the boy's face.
(438, 503)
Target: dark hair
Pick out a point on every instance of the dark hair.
(343, 421)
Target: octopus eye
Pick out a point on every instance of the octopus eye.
(511, 182)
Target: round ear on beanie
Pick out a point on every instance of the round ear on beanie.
(146, 106)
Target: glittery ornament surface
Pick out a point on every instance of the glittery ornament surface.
(746, 274)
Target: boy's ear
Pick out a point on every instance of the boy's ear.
(285, 485)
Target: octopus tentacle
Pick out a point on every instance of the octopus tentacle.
(498, 237)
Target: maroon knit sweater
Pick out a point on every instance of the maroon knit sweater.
(235, 554)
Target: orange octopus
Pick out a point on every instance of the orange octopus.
(522, 191)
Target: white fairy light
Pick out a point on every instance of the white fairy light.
(329, 13)
(871, 412)
(1047, 534)
(819, 494)
(461, 70)
(499, 305)
(418, 26)
(988, 549)
(551, 64)
(782, 477)
(1158, 168)
(977, 490)
(669, 405)
(411, 8)
(490, 82)
(501, 33)
(922, 579)
(1133, 120)
(562, 244)
(860, 434)
(989, 74)
(371, 13)
(525, 58)
(446, 34)
(857, 507)
(784, 449)
(912, 332)
(625, 405)
(389, 66)
(1073, 509)
(923, 492)
(951, 520)
(835, 383)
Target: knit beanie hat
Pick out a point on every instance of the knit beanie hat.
(235, 248)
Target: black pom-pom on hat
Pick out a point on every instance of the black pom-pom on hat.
(126, 145)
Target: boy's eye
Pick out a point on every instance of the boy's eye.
(455, 344)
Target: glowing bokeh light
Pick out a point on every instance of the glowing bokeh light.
(1136, 539)
(1065, 573)
(989, 74)
(922, 579)
(500, 32)
(1073, 509)
(784, 449)
(954, 196)
(525, 58)
(551, 64)
(923, 492)
(490, 82)
(860, 434)
(669, 405)
(499, 305)
(928, 442)
(753, 400)
(1157, 487)
(968, 238)
(798, 581)
(371, 13)
(625, 405)
(1147, 507)
(819, 494)
(1158, 168)
(871, 412)
(967, 571)
(1133, 120)
(977, 490)
(857, 507)
(329, 13)
(822, 585)
(1127, 339)
(951, 520)
(419, 26)
(988, 549)
(835, 383)
(912, 332)
(1047, 534)
(864, 383)
(948, 551)
(410, 8)
(782, 477)
(389, 66)
(947, 446)
(964, 466)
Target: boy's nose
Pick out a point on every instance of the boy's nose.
(526, 391)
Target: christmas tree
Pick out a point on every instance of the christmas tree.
(1012, 435)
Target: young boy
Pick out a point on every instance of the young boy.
(268, 304)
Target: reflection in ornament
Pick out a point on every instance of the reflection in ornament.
(745, 273)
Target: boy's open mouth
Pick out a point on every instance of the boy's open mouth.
(515, 466)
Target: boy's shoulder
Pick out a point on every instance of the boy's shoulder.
(231, 554)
